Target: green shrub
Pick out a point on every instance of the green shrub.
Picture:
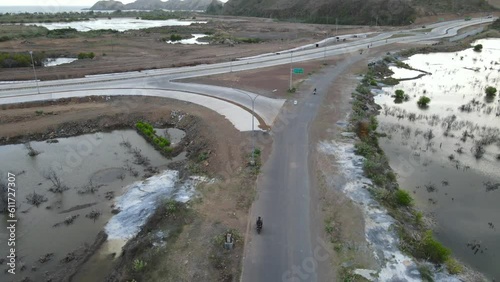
(390, 81)
(400, 94)
(373, 123)
(426, 273)
(433, 250)
(175, 37)
(423, 101)
(363, 90)
(373, 82)
(4, 38)
(171, 207)
(419, 218)
(491, 91)
(82, 56)
(403, 198)
(203, 156)
(478, 47)
(391, 176)
(364, 149)
(62, 33)
(139, 265)
(453, 266)
(249, 40)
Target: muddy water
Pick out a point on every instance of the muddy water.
(77, 160)
(437, 151)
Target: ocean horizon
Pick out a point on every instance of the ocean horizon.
(41, 9)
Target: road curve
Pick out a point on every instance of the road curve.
(266, 109)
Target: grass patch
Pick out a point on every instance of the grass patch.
(453, 266)
(403, 198)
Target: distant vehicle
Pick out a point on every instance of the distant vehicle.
(423, 26)
(490, 16)
(468, 18)
(295, 102)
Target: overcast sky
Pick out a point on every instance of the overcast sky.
(55, 2)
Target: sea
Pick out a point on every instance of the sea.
(41, 9)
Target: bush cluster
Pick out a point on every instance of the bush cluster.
(16, 60)
(423, 101)
(175, 37)
(490, 91)
(82, 56)
(148, 131)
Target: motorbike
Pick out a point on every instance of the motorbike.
(259, 228)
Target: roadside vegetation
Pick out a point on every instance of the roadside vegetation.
(416, 236)
(16, 60)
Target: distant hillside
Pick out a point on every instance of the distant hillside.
(152, 5)
(363, 12)
(108, 5)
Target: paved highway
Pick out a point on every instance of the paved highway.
(267, 109)
(286, 248)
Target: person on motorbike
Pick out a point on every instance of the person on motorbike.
(314, 92)
(259, 222)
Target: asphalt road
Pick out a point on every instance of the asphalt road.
(286, 249)
(267, 109)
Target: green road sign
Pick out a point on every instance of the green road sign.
(298, 70)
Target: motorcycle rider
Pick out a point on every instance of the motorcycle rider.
(259, 222)
(314, 92)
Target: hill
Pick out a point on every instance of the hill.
(362, 12)
(193, 5)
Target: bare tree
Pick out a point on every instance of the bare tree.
(57, 185)
(90, 188)
(36, 199)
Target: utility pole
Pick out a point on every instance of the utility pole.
(291, 70)
(34, 71)
(253, 122)
(336, 27)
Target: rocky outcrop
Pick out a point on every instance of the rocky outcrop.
(108, 5)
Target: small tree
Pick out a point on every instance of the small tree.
(423, 101)
(478, 47)
(400, 94)
(490, 91)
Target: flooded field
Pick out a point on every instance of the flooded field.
(71, 190)
(52, 62)
(190, 41)
(448, 153)
(119, 24)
